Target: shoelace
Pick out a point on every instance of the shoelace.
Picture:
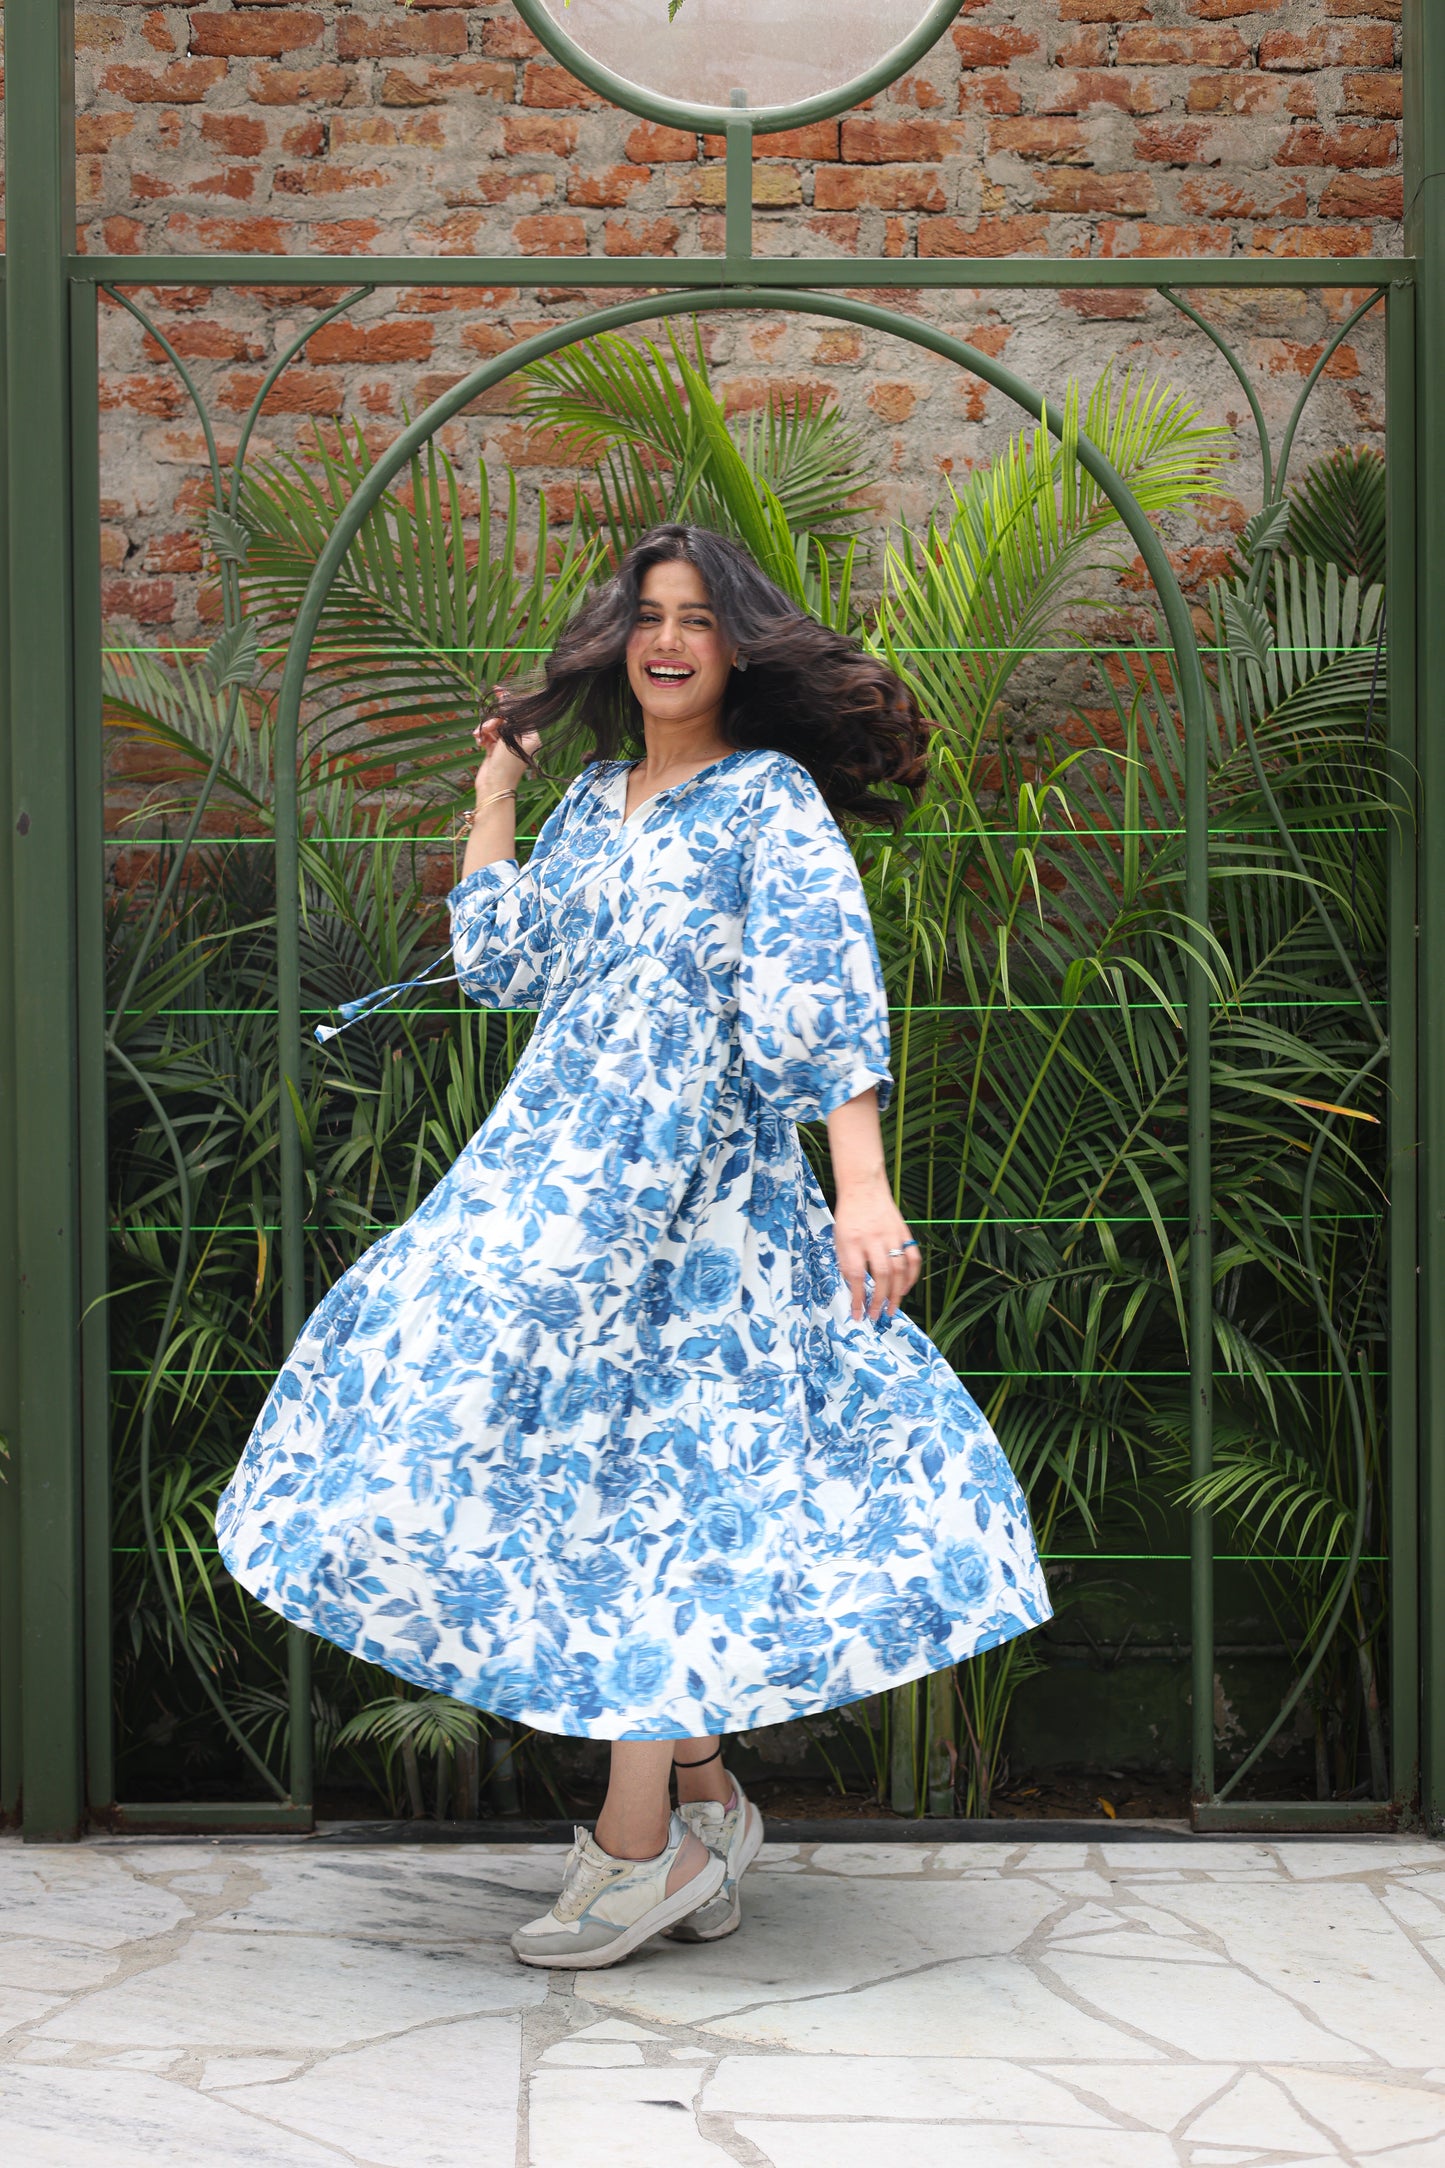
(582, 1878)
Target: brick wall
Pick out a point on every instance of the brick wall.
(1083, 128)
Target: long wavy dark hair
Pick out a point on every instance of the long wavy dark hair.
(807, 691)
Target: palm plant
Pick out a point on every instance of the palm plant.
(1031, 921)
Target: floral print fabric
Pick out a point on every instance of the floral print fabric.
(592, 1442)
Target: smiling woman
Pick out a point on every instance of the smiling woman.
(623, 1435)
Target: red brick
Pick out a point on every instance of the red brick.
(1378, 10)
(123, 236)
(173, 553)
(1182, 48)
(989, 94)
(883, 142)
(327, 180)
(979, 48)
(101, 131)
(643, 237)
(488, 340)
(234, 134)
(1103, 11)
(1313, 241)
(837, 345)
(1119, 195)
(1053, 142)
(840, 229)
(298, 391)
(1250, 93)
(244, 236)
(1366, 47)
(340, 341)
(308, 139)
(344, 236)
(156, 31)
(205, 341)
(237, 182)
(143, 602)
(300, 86)
(1255, 196)
(545, 85)
(146, 187)
(158, 393)
(1168, 143)
(1147, 239)
(395, 36)
(537, 135)
(893, 402)
(1117, 305)
(883, 188)
(993, 237)
(649, 144)
(752, 394)
(184, 82)
(506, 37)
(1215, 11)
(820, 139)
(554, 233)
(1087, 48)
(1377, 94)
(1350, 147)
(266, 34)
(606, 191)
(1364, 195)
(473, 78)
(1075, 93)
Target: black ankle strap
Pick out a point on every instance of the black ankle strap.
(714, 1756)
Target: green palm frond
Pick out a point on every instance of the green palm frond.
(966, 602)
(421, 624)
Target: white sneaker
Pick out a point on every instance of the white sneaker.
(735, 1835)
(609, 1906)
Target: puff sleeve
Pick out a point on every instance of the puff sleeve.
(812, 1014)
(501, 930)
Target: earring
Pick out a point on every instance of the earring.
(740, 662)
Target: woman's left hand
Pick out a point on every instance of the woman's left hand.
(873, 1237)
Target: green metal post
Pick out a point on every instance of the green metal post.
(1404, 1236)
(90, 1037)
(738, 217)
(1425, 239)
(292, 1187)
(9, 1256)
(40, 181)
(1201, 1237)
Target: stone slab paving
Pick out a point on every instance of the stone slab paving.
(279, 2004)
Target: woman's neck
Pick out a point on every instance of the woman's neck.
(673, 748)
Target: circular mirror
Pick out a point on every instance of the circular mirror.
(781, 61)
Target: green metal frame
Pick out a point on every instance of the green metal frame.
(54, 1522)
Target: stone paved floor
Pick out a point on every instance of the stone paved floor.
(1131, 2005)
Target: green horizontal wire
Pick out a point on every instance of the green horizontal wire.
(895, 1008)
(912, 835)
(982, 1219)
(1075, 648)
(1049, 1558)
(1109, 1376)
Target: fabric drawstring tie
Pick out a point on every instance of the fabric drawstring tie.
(356, 1012)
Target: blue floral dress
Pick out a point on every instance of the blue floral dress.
(592, 1441)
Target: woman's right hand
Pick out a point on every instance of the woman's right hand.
(501, 768)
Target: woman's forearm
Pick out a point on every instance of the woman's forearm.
(855, 1139)
(492, 833)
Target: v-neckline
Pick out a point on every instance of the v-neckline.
(625, 767)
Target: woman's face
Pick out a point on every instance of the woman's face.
(678, 656)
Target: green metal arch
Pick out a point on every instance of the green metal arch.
(712, 119)
(1193, 698)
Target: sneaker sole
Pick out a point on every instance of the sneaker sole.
(748, 1851)
(703, 1885)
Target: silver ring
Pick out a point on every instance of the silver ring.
(903, 1251)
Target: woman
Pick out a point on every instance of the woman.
(622, 1435)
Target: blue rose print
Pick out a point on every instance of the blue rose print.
(593, 1441)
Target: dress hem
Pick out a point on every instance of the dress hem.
(618, 1726)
